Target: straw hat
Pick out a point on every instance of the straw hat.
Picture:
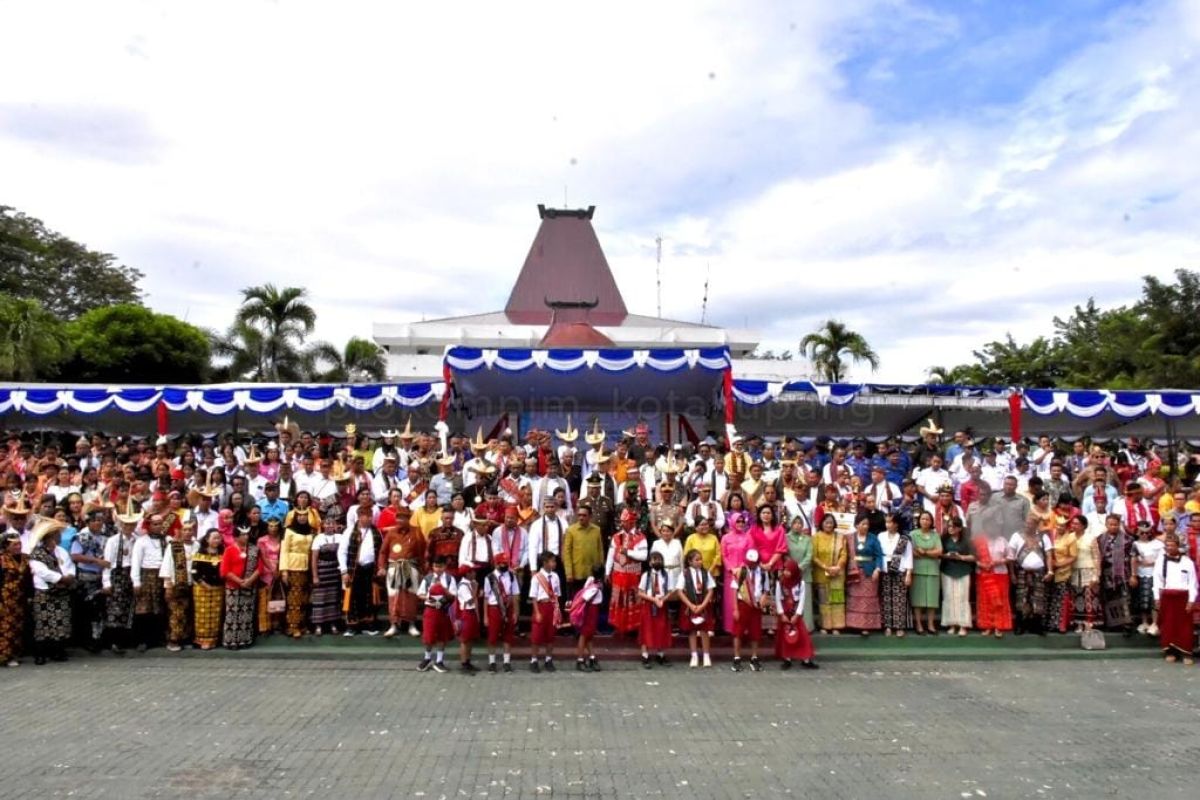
(390, 433)
(289, 427)
(19, 508)
(479, 445)
(253, 457)
(129, 517)
(601, 456)
(931, 428)
(45, 526)
(596, 436)
(570, 434)
(338, 472)
(407, 433)
(445, 461)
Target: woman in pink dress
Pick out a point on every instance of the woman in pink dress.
(734, 545)
(269, 468)
(770, 539)
(735, 506)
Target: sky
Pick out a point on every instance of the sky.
(934, 174)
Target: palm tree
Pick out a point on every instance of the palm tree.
(32, 341)
(244, 347)
(829, 345)
(360, 361)
(284, 318)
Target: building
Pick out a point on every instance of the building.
(565, 296)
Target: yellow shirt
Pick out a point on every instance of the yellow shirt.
(1065, 547)
(709, 547)
(427, 521)
(293, 552)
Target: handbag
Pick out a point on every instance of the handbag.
(277, 605)
(1092, 640)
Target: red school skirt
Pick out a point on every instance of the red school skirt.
(749, 623)
(468, 625)
(707, 625)
(655, 631)
(498, 630)
(436, 627)
(542, 633)
(591, 620)
(793, 642)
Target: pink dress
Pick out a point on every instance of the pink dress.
(269, 470)
(770, 543)
(733, 557)
(268, 559)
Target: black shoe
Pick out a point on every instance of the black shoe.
(141, 648)
(594, 664)
(492, 667)
(645, 662)
(662, 660)
(580, 666)
(535, 666)
(507, 667)
(438, 666)
(59, 657)
(468, 668)
(425, 664)
(39, 661)
(117, 650)
(786, 664)
(736, 666)
(550, 666)
(756, 665)
(810, 664)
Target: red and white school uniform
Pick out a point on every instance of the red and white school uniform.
(695, 583)
(437, 592)
(749, 586)
(655, 631)
(544, 591)
(593, 597)
(791, 641)
(498, 590)
(468, 611)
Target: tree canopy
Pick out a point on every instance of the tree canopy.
(132, 344)
(1152, 344)
(33, 341)
(832, 345)
(65, 277)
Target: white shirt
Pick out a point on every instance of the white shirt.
(147, 556)
(475, 549)
(545, 535)
(672, 556)
(381, 484)
(507, 581)
(639, 552)
(366, 549)
(44, 577)
(666, 583)
(513, 542)
(322, 489)
(465, 592)
(205, 521)
(110, 555)
(757, 579)
(536, 592)
(307, 481)
(888, 543)
(993, 474)
(1180, 575)
(167, 570)
(880, 492)
(352, 517)
(546, 487)
(256, 486)
(1147, 556)
(797, 593)
(446, 580)
(1033, 560)
(702, 581)
(325, 539)
(710, 511)
(593, 591)
(930, 480)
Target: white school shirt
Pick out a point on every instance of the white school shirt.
(593, 592)
(44, 577)
(445, 579)
(757, 578)
(536, 592)
(465, 592)
(665, 583)
(147, 556)
(797, 593)
(1180, 575)
(1147, 556)
(508, 582)
(702, 581)
(541, 539)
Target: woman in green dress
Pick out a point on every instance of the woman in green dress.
(799, 543)
(926, 583)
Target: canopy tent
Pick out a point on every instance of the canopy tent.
(248, 406)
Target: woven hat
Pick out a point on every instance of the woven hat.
(596, 436)
(570, 434)
(44, 527)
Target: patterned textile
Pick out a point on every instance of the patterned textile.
(239, 607)
(1058, 617)
(893, 595)
(956, 601)
(1030, 593)
(1087, 597)
(14, 604)
(52, 616)
(862, 605)
(265, 618)
(624, 612)
(402, 582)
(327, 594)
(297, 600)
(208, 602)
(179, 614)
(119, 610)
(831, 606)
(1143, 597)
(148, 599)
(992, 610)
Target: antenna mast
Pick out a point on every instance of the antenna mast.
(704, 303)
(658, 271)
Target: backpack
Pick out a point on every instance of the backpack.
(578, 608)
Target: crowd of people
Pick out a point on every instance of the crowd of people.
(114, 543)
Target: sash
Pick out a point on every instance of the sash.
(417, 491)
(690, 588)
(1027, 547)
(893, 564)
(549, 590)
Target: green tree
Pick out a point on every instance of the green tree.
(242, 356)
(1172, 343)
(65, 277)
(963, 374)
(284, 318)
(33, 342)
(132, 344)
(831, 345)
(359, 361)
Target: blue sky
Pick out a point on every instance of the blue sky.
(935, 174)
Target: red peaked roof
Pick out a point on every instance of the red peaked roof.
(576, 335)
(566, 265)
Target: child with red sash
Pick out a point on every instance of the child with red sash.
(696, 618)
(468, 616)
(544, 591)
(502, 597)
(751, 590)
(591, 596)
(437, 591)
(791, 637)
(654, 590)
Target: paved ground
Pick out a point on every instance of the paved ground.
(249, 727)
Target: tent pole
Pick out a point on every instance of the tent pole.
(235, 423)
(1172, 450)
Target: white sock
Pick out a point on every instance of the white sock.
(507, 657)
(441, 656)
(429, 655)
(549, 659)
(695, 654)
(491, 658)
